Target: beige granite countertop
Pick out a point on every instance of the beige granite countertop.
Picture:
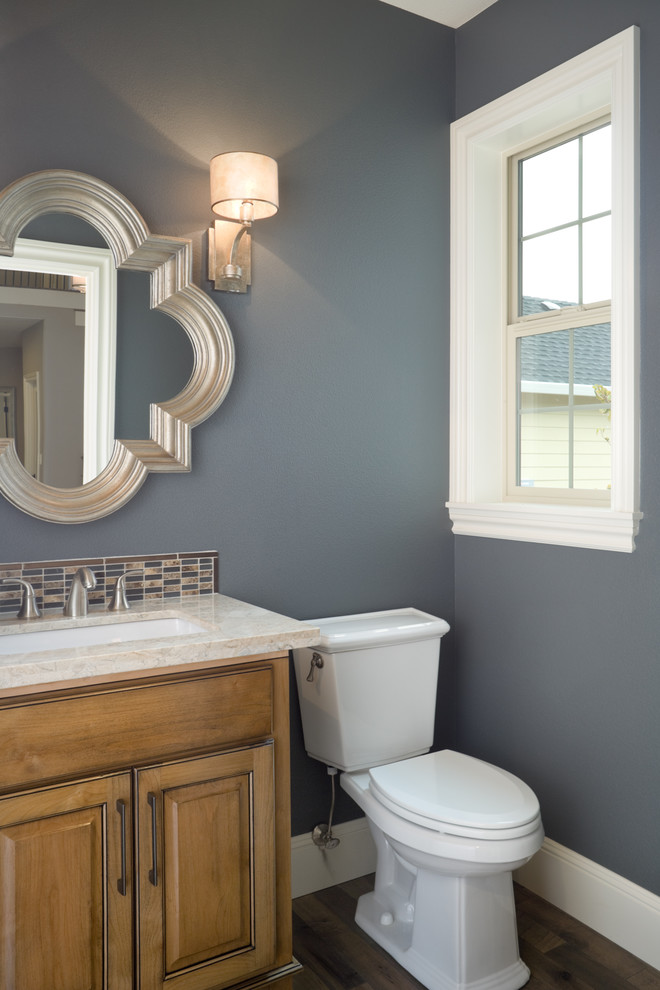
(230, 628)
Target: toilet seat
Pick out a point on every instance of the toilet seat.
(457, 794)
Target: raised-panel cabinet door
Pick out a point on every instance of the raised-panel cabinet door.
(206, 866)
(64, 856)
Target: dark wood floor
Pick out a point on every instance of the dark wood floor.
(560, 952)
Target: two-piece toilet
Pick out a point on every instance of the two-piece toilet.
(448, 828)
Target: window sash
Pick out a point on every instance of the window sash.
(557, 321)
(566, 318)
(515, 205)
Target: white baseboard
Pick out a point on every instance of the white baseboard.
(616, 908)
(613, 906)
(313, 868)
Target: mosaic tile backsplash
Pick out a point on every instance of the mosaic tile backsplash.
(167, 575)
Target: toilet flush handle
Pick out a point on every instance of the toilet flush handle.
(317, 661)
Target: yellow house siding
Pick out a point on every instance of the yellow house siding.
(544, 449)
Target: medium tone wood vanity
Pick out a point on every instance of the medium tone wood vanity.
(145, 826)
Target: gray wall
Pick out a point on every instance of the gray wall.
(558, 649)
(322, 478)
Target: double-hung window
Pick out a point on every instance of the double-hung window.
(559, 327)
(544, 314)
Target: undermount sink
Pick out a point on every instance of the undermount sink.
(40, 640)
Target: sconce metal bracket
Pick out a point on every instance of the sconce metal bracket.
(221, 238)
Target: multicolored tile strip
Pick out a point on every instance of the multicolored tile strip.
(167, 575)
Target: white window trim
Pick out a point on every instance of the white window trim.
(603, 79)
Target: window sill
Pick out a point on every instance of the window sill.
(562, 525)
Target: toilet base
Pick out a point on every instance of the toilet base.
(395, 939)
(450, 932)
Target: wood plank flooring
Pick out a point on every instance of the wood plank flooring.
(560, 952)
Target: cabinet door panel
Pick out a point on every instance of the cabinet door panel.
(207, 877)
(59, 851)
(214, 860)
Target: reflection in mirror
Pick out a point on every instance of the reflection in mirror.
(45, 333)
(7, 410)
(42, 327)
(57, 351)
(154, 354)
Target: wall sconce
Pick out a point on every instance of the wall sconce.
(243, 189)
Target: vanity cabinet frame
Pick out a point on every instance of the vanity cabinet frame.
(201, 750)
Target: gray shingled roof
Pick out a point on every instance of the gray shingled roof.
(545, 357)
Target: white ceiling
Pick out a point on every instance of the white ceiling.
(453, 13)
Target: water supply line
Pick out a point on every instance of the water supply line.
(322, 834)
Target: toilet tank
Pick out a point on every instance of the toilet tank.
(372, 700)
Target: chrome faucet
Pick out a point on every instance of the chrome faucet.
(28, 609)
(83, 581)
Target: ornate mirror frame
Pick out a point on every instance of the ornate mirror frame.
(169, 261)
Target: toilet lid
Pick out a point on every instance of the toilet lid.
(448, 789)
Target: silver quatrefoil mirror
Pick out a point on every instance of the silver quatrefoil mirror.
(61, 316)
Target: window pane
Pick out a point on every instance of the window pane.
(550, 271)
(543, 427)
(563, 187)
(597, 260)
(597, 171)
(591, 357)
(550, 188)
(592, 449)
(564, 394)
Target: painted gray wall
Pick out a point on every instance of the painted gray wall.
(558, 649)
(322, 478)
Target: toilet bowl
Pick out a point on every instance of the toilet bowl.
(443, 900)
(449, 829)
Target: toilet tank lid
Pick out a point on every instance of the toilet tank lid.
(402, 625)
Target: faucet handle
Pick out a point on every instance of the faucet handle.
(119, 601)
(28, 609)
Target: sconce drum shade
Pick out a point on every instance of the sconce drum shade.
(243, 176)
